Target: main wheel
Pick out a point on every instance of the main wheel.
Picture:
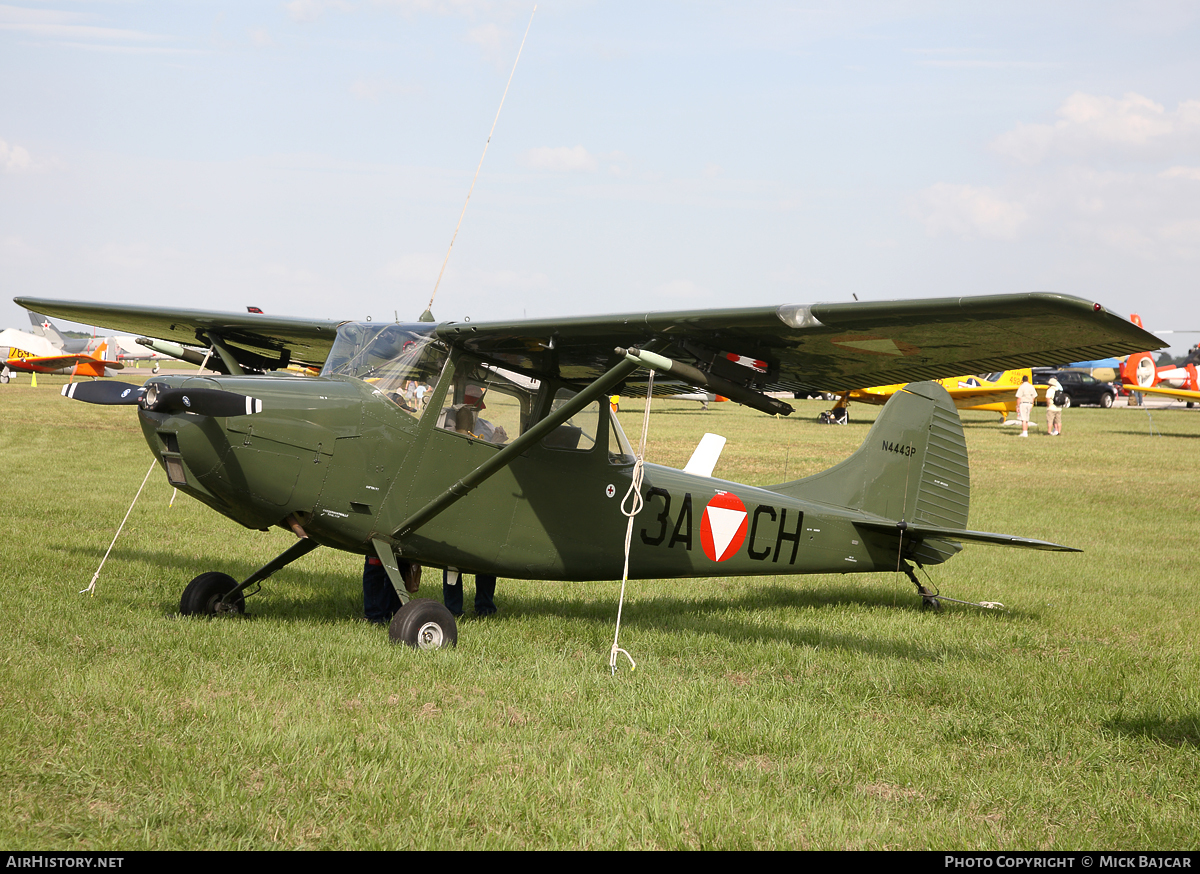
(203, 595)
(3, 378)
(424, 624)
(1106, 400)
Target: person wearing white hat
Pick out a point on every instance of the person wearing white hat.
(1053, 409)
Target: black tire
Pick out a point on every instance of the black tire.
(424, 624)
(1106, 400)
(204, 593)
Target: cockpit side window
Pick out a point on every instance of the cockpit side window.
(577, 433)
(488, 403)
(619, 450)
(402, 362)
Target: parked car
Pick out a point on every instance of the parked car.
(1079, 386)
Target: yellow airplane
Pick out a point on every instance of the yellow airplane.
(996, 392)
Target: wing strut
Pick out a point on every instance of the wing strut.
(231, 363)
(504, 457)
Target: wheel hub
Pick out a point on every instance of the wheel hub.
(430, 636)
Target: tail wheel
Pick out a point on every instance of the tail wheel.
(424, 624)
(203, 596)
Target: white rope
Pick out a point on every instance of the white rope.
(631, 505)
(91, 589)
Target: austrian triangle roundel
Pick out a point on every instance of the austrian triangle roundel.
(723, 527)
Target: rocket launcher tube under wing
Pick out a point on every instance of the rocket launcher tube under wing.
(700, 379)
(183, 353)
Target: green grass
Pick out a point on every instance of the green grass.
(789, 712)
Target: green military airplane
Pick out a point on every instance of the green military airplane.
(489, 447)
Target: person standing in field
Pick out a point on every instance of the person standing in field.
(1053, 408)
(1026, 396)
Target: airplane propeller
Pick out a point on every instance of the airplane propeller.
(161, 399)
(107, 392)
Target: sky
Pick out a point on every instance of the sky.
(312, 157)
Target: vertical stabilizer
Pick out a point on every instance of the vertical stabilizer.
(912, 466)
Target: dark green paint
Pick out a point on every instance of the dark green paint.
(338, 458)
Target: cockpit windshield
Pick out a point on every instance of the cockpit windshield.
(402, 361)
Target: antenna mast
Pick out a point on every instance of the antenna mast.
(427, 316)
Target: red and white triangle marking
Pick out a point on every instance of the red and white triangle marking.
(723, 528)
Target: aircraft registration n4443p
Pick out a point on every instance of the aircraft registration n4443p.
(491, 448)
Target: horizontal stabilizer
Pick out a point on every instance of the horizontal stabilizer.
(922, 532)
(705, 456)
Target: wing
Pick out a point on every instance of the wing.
(964, 398)
(1182, 394)
(257, 341)
(794, 347)
(822, 347)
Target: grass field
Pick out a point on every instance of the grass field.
(818, 712)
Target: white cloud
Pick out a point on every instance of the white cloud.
(489, 37)
(413, 267)
(18, 248)
(681, 289)
(968, 211)
(562, 159)
(377, 88)
(1089, 125)
(56, 24)
(1181, 173)
(1183, 237)
(14, 159)
(306, 11)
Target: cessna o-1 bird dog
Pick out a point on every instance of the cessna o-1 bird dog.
(489, 447)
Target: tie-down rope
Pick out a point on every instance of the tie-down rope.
(631, 505)
(91, 589)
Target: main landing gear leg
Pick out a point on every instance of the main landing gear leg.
(213, 593)
(929, 599)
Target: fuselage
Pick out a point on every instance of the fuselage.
(346, 463)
